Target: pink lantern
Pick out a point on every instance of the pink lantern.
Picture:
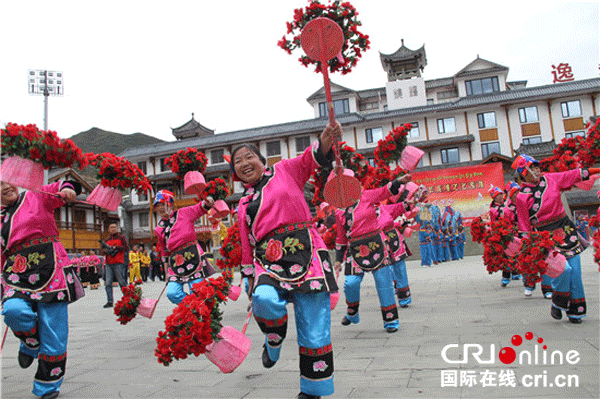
(230, 351)
(410, 157)
(147, 307)
(513, 247)
(219, 209)
(407, 232)
(193, 183)
(556, 264)
(234, 292)
(22, 172)
(105, 197)
(412, 189)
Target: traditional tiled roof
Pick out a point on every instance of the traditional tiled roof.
(191, 128)
(539, 150)
(492, 67)
(582, 198)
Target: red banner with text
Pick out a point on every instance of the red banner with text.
(464, 188)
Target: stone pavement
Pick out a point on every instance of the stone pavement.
(453, 303)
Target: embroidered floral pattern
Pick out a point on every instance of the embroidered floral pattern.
(275, 249)
(60, 296)
(13, 278)
(315, 285)
(33, 278)
(273, 337)
(320, 366)
(55, 371)
(179, 259)
(31, 341)
(295, 269)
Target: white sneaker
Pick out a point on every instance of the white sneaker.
(528, 292)
(548, 295)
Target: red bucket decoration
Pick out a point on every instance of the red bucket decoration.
(230, 351)
(412, 189)
(234, 292)
(556, 264)
(105, 197)
(147, 307)
(513, 247)
(410, 157)
(23, 173)
(193, 183)
(219, 209)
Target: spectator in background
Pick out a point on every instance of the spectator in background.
(115, 250)
(144, 264)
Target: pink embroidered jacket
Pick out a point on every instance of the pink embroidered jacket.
(387, 215)
(35, 265)
(540, 207)
(271, 214)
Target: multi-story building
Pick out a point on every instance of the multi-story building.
(473, 117)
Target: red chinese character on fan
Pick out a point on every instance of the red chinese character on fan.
(562, 73)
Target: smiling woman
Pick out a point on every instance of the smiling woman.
(285, 258)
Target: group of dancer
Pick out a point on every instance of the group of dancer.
(536, 205)
(441, 236)
(284, 258)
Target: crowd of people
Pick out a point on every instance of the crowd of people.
(284, 258)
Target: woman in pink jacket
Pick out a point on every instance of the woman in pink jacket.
(38, 281)
(285, 258)
(361, 241)
(539, 201)
(178, 244)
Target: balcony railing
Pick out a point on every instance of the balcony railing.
(78, 225)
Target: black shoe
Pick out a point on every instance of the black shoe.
(503, 285)
(555, 313)
(403, 306)
(266, 360)
(391, 329)
(51, 395)
(25, 360)
(346, 321)
(108, 305)
(575, 320)
(303, 395)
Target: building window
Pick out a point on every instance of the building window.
(489, 148)
(528, 115)
(450, 155)
(414, 132)
(371, 161)
(142, 197)
(373, 135)
(446, 125)
(144, 219)
(163, 166)
(273, 148)
(486, 120)
(430, 101)
(532, 140)
(339, 107)
(482, 86)
(570, 135)
(302, 143)
(142, 166)
(571, 109)
(216, 156)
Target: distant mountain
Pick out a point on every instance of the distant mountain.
(98, 141)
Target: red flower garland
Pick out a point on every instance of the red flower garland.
(389, 149)
(590, 151)
(231, 250)
(478, 228)
(345, 15)
(495, 241)
(190, 159)
(126, 307)
(531, 259)
(194, 323)
(118, 172)
(216, 188)
(43, 147)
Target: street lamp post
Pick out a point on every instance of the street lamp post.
(46, 83)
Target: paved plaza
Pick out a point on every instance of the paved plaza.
(456, 303)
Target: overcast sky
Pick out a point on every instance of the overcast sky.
(145, 66)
